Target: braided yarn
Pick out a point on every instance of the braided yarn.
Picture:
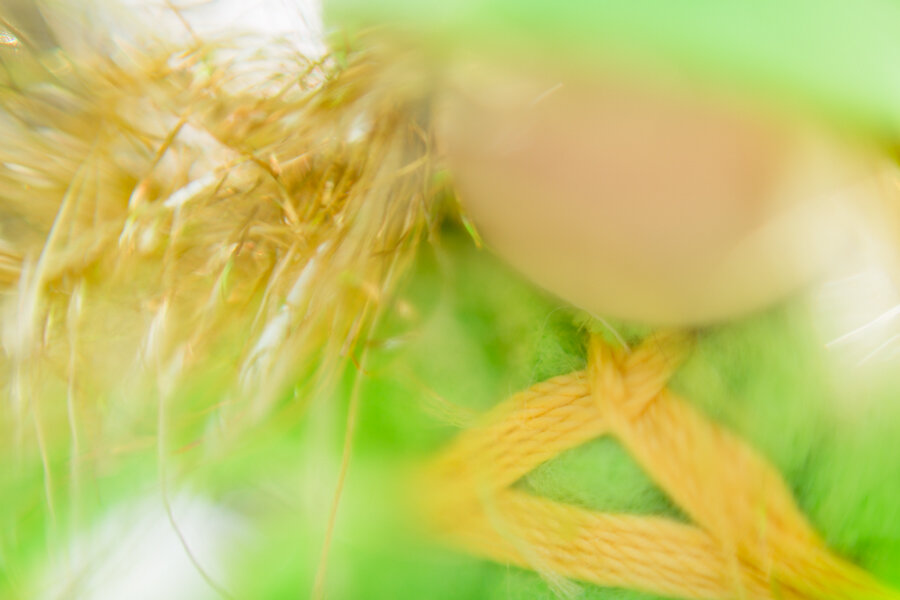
(747, 539)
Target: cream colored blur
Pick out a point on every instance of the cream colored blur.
(649, 200)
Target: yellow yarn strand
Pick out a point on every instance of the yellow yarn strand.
(749, 538)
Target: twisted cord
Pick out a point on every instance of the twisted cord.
(748, 539)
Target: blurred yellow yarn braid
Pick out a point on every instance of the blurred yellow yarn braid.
(749, 539)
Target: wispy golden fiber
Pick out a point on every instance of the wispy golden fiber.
(183, 227)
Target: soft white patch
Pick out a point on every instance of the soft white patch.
(296, 21)
(135, 553)
(858, 306)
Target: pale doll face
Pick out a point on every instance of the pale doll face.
(647, 201)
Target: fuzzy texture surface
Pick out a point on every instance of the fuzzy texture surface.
(175, 268)
(196, 304)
